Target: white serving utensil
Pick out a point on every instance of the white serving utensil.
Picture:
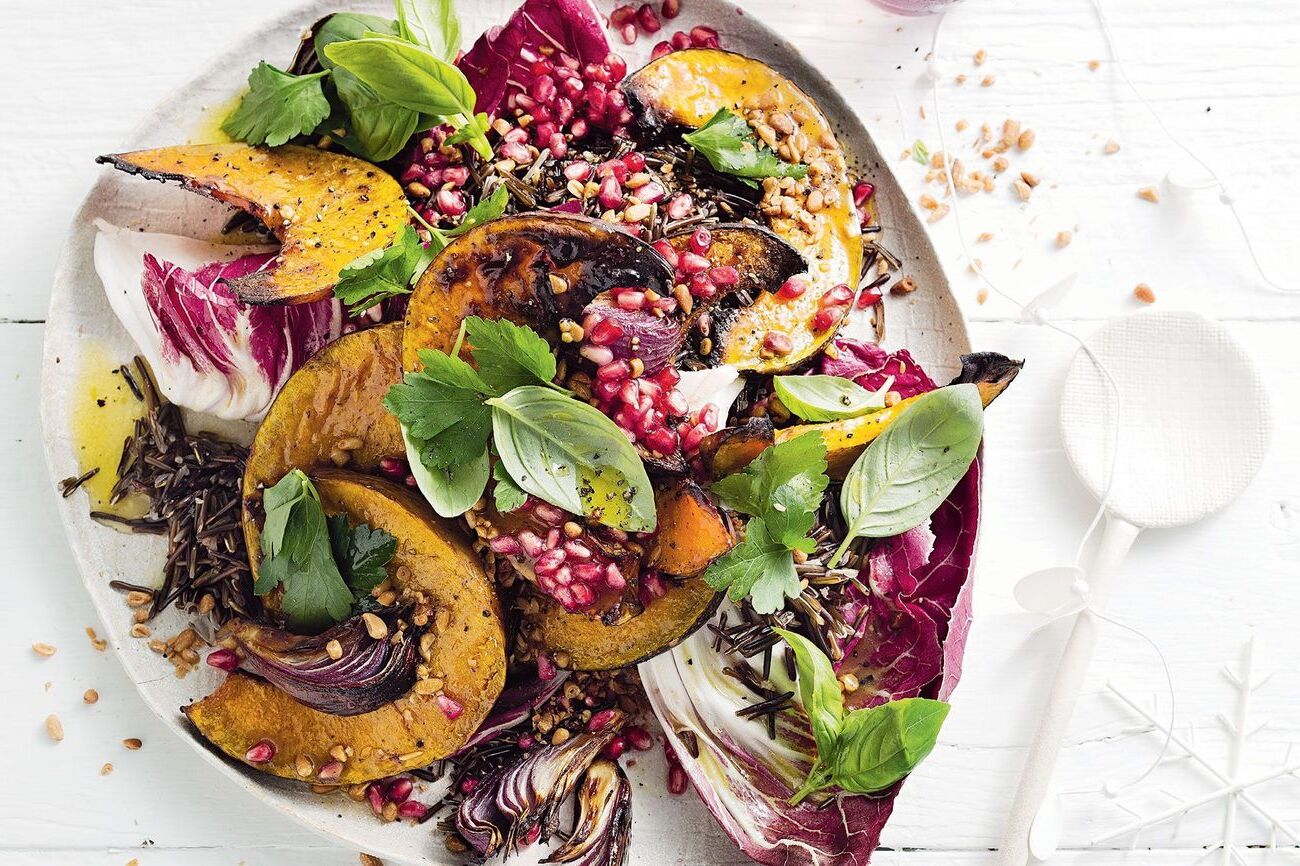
(1186, 435)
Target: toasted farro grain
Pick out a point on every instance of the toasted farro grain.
(54, 728)
(44, 650)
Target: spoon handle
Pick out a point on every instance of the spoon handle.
(1036, 778)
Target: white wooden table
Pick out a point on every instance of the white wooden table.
(78, 74)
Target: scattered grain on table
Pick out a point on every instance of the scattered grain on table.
(44, 650)
(54, 728)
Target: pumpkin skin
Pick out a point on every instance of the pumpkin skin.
(731, 449)
(338, 394)
(691, 531)
(685, 89)
(433, 558)
(327, 209)
(511, 268)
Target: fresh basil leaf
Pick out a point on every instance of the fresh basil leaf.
(452, 490)
(909, 470)
(406, 75)
(729, 145)
(760, 567)
(819, 692)
(509, 355)
(920, 152)
(880, 745)
(505, 492)
(571, 455)
(373, 128)
(277, 107)
(346, 27)
(432, 24)
(826, 398)
(380, 274)
(362, 553)
(486, 210)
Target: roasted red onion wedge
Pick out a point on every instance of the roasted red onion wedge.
(505, 808)
(517, 702)
(604, 819)
(368, 674)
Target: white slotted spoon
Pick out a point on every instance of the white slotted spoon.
(1187, 434)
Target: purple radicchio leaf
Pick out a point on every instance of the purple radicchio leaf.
(506, 807)
(210, 352)
(517, 700)
(870, 365)
(499, 61)
(604, 824)
(369, 673)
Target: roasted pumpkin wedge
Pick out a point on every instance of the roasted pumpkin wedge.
(846, 439)
(327, 209)
(732, 448)
(533, 269)
(332, 404)
(435, 569)
(691, 531)
(685, 89)
(588, 644)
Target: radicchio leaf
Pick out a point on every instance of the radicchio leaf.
(506, 806)
(369, 673)
(501, 58)
(210, 352)
(870, 366)
(604, 823)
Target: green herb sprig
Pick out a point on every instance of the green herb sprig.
(730, 146)
(781, 490)
(324, 565)
(863, 751)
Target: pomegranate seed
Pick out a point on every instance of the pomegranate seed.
(412, 809)
(837, 296)
(614, 576)
(399, 790)
(701, 240)
(455, 174)
(468, 785)
(542, 66)
(693, 263)
(549, 562)
(616, 66)
(606, 390)
(676, 780)
(639, 738)
(777, 343)
(223, 660)
(862, 192)
(548, 513)
(600, 720)
(628, 33)
(671, 8)
(661, 49)
(704, 37)
(578, 129)
(543, 131)
(630, 392)
(517, 135)
(663, 441)
(680, 40)
(598, 355)
(558, 146)
(611, 193)
(582, 595)
(651, 193)
(605, 332)
(512, 150)
(791, 289)
(532, 545)
(702, 287)
(410, 481)
(667, 377)
(724, 275)
(622, 15)
(630, 300)
(709, 416)
(586, 571)
(330, 772)
(614, 749)
(506, 545)
(260, 752)
(526, 742)
(542, 88)
(376, 797)
(578, 170)
(691, 441)
(545, 667)
(616, 369)
(666, 250)
(452, 709)
(826, 317)
(451, 202)
(869, 298)
(676, 402)
(680, 205)
(647, 19)
(576, 550)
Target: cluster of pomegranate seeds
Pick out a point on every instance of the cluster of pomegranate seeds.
(677, 780)
(643, 405)
(564, 96)
(386, 794)
(623, 183)
(435, 175)
(834, 306)
(397, 470)
(692, 268)
(698, 37)
(568, 566)
(630, 21)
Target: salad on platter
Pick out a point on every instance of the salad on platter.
(572, 436)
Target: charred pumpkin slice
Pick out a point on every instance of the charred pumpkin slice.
(685, 89)
(332, 401)
(691, 531)
(327, 209)
(435, 567)
(591, 645)
(845, 440)
(533, 269)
